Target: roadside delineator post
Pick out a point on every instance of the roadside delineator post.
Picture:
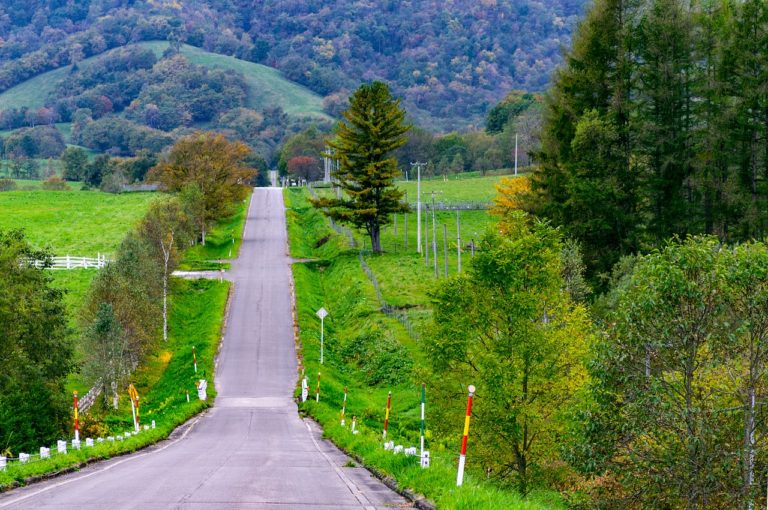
(354, 424)
(134, 405)
(463, 454)
(194, 357)
(344, 406)
(77, 417)
(423, 428)
(317, 391)
(386, 413)
(187, 395)
(304, 389)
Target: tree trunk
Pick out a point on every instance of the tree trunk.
(376, 238)
(203, 234)
(749, 448)
(165, 301)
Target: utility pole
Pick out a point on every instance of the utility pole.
(515, 154)
(445, 249)
(405, 224)
(426, 236)
(458, 239)
(434, 235)
(418, 204)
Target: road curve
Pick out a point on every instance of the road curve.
(251, 450)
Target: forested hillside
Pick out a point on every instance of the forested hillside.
(450, 60)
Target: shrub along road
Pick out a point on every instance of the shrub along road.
(251, 450)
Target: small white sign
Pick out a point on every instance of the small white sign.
(45, 453)
(322, 313)
(425, 459)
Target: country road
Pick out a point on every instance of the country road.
(251, 450)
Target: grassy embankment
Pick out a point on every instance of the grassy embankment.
(196, 317)
(221, 243)
(370, 352)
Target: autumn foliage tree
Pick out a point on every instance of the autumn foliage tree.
(213, 164)
(305, 167)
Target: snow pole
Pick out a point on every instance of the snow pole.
(317, 392)
(423, 403)
(194, 357)
(354, 424)
(77, 417)
(463, 455)
(344, 406)
(386, 413)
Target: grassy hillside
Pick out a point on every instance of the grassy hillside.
(268, 87)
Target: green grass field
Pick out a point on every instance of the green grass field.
(77, 223)
(268, 87)
(336, 281)
(453, 190)
(221, 243)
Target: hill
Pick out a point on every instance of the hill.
(267, 87)
(451, 61)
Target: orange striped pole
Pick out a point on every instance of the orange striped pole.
(77, 418)
(386, 414)
(317, 392)
(344, 406)
(463, 455)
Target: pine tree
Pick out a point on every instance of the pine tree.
(375, 126)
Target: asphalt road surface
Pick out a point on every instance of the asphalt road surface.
(251, 450)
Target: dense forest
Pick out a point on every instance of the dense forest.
(451, 61)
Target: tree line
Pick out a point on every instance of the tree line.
(656, 126)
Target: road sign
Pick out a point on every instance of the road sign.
(322, 313)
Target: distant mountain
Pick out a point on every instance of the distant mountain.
(451, 60)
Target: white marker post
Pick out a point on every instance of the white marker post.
(322, 313)
(423, 405)
(344, 406)
(463, 454)
(304, 389)
(194, 357)
(317, 392)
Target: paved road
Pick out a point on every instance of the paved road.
(251, 450)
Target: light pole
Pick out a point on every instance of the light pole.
(418, 205)
(322, 313)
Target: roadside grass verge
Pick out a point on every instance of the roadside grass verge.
(197, 314)
(371, 354)
(221, 243)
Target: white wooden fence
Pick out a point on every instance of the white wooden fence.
(71, 262)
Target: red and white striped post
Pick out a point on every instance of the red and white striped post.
(344, 406)
(317, 392)
(463, 455)
(77, 418)
(386, 414)
(194, 357)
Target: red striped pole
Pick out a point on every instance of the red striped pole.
(317, 392)
(386, 414)
(77, 418)
(344, 406)
(463, 455)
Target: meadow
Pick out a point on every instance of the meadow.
(78, 223)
